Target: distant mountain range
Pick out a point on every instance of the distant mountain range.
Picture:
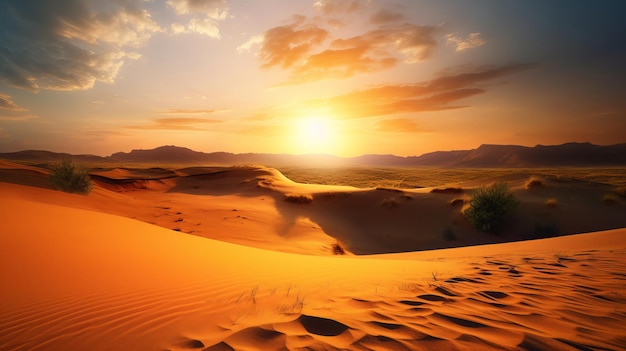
(569, 154)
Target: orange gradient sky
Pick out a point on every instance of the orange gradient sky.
(343, 77)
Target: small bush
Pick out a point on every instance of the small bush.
(447, 190)
(534, 182)
(457, 201)
(490, 207)
(389, 202)
(71, 178)
(338, 249)
(299, 198)
(621, 191)
(610, 199)
(552, 202)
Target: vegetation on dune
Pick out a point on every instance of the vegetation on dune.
(534, 182)
(299, 198)
(610, 199)
(409, 178)
(71, 178)
(490, 207)
(389, 202)
(552, 202)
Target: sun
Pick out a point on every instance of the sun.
(314, 135)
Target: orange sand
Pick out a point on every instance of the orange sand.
(78, 273)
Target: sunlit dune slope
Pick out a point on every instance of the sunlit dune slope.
(76, 279)
(260, 207)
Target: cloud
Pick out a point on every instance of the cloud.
(328, 7)
(386, 16)
(179, 123)
(206, 14)
(473, 40)
(397, 125)
(7, 103)
(215, 9)
(289, 45)
(441, 93)
(66, 44)
(181, 111)
(301, 48)
(16, 118)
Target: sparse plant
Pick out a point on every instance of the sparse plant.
(552, 202)
(389, 202)
(447, 190)
(338, 249)
(299, 198)
(490, 207)
(457, 201)
(610, 199)
(534, 182)
(71, 178)
(621, 191)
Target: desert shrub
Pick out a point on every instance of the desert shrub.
(534, 182)
(338, 249)
(552, 202)
(389, 202)
(621, 191)
(299, 198)
(447, 190)
(71, 178)
(490, 207)
(610, 199)
(457, 201)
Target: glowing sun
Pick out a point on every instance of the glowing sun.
(314, 135)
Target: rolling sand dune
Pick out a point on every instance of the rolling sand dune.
(79, 272)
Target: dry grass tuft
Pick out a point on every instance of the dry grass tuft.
(299, 198)
(621, 191)
(534, 182)
(393, 190)
(552, 202)
(458, 201)
(447, 190)
(610, 199)
(390, 202)
(338, 249)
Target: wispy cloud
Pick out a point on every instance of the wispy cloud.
(186, 111)
(7, 103)
(18, 117)
(441, 93)
(68, 44)
(397, 125)
(205, 16)
(472, 40)
(329, 7)
(182, 123)
(303, 48)
(386, 16)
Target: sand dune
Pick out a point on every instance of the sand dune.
(78, 273)
(80, 279)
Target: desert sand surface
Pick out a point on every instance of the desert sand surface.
(242, 259)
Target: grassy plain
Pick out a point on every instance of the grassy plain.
(364, 177)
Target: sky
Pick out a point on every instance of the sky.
(343, 77)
